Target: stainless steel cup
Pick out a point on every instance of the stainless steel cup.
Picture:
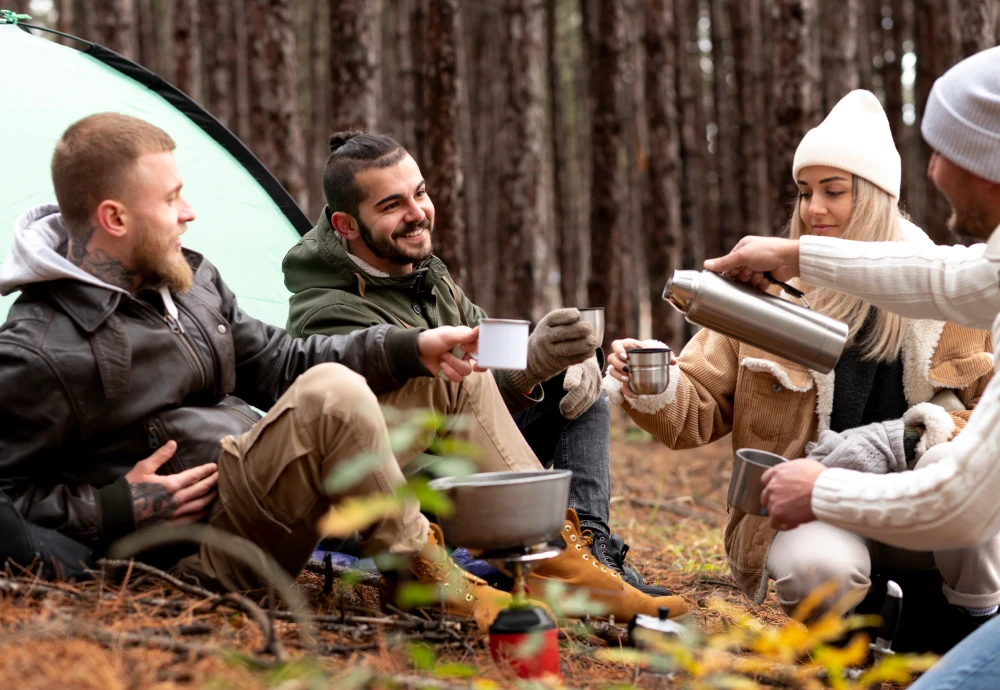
(595, 317)
(649, 370)
(745, 487)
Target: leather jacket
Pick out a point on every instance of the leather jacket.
(93, 381)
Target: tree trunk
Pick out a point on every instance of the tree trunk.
(694, 147)
(186, 60)
(973, 25)
(568, 235)
(443, 170)
(840, 51)
(275, 124)
(732, 225)
(18, 6)
(795, 99)
(522, 132)
(114, 26)
(241, 31)
(318, 136)
(892, 72)
(663, 212)
(750, 75)
(354, 44)
(607, 179)
(149, 45)
(217, 32)
(418, 44)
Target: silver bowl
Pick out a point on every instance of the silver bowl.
(595, 317)
(495, 511)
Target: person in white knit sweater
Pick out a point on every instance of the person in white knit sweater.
(848, 173)
(953, 502)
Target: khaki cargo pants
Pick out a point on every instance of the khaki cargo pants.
(271, 478)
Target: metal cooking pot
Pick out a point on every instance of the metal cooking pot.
(505, 510)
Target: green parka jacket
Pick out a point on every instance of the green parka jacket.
(332, 295)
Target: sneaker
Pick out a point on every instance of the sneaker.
(610, 551)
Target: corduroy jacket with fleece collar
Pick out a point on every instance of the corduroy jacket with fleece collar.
(772, 404)
(332, 295)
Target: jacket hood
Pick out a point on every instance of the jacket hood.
(319, 261)
(38, 254)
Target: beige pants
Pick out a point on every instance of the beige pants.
(271, 478)
(802, 559)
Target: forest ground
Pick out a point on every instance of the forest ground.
(669, 507)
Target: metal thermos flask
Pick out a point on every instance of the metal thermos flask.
(757, 318)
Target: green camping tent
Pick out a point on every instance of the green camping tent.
(245, 220)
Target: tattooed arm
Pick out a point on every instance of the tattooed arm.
(174, 499)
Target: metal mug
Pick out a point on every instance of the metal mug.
(745, 487)
(649, 370)
(595, 317)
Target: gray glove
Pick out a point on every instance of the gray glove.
(559, 341)
(875, 448)
(582, 384)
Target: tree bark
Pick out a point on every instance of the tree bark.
(219, 41)
(568, 235)
(607, 178)
(750, 75)
(795, 98)
(318, 136)
(892, 72)
(354, 78)
(149, 50)
(973, 25)
(186, 62)
(732, 225)
(443, 170)
(695, 216)
(418, 56)
(663, 212)
(522, 131)
(275, 123)
(241, 32)
(112, 24)
(18, 6)
(840, 51)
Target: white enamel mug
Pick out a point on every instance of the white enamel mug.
(503, 344)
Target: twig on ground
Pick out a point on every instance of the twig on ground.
(338, 571)
(669, 506)
(721, 583)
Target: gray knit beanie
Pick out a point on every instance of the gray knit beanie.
(962, 117)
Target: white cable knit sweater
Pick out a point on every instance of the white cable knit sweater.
(954, 503)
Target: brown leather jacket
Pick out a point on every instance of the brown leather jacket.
(92, 381)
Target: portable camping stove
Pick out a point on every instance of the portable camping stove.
(524, 635)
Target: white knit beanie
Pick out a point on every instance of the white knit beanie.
(962, 117)
(855, 137)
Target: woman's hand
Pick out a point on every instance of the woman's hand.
(618, 360)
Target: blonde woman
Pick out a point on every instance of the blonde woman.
(872, 413)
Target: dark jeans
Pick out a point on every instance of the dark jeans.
(582, 445)
(973, 665)
(54, 555)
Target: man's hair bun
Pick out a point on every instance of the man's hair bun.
(338, 139)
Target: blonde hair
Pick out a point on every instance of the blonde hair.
(875, 217)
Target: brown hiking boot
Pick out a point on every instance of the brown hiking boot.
(577, 570)
(462, 594)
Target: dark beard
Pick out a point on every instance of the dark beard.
(156, 258)
(971, 227)
(387, 249)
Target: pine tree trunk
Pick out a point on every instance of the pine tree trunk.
(275, 124)
(113, 25)
(522, 132)
(663, 213)
(795, 99)
(186, 63)
(840, 51)
(443, 169)
(218, 39)
(750, 74)
(317, 140)
(973, 25)
(18, 6)
(355, 42)
(418, 44)
(695, 215)
(892, 73)
(732, 225)
(149, 45)
(241, 31)
(567, 233)
(607, 178)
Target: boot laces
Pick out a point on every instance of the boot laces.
(448, 575)
(612, 560)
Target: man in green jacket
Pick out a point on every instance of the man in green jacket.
(369, 261)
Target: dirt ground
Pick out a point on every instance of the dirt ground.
(669, 507)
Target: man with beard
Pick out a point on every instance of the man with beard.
(369, 261)
(128, 372)
(951, 503)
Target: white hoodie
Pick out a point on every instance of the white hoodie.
(40, 238)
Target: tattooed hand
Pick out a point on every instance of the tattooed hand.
(175, 499)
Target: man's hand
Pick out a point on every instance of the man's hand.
(787, 492)
(582, 384)
(436, 345)
(174, 499)
(753, 256)
(618, 360)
